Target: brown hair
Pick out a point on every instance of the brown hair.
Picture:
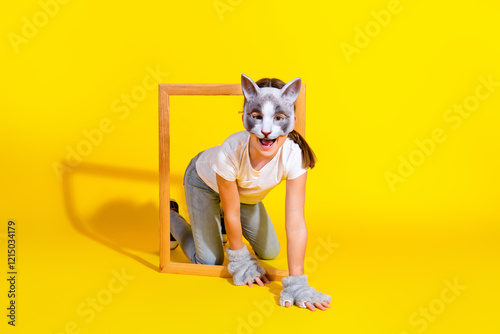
(308, 156)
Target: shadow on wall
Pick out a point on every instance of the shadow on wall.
(121, 224)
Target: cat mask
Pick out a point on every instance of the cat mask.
(269, 112)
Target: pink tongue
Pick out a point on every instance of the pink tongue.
(267, 142)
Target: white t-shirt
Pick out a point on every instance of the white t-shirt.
(232, 162)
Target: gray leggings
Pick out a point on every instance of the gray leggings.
(201, 241)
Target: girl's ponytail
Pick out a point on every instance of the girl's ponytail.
(308, 156)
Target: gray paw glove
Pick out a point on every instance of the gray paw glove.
(297, 291)
(243, 266)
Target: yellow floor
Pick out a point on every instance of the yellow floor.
(97, 272)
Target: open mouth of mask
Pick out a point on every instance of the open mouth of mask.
(267, 143)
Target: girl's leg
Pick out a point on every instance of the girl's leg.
(202, 240)
(259, 230)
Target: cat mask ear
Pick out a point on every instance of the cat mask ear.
(249, 88)
(290, 92)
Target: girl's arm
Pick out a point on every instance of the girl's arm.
(244, 269)
(230, 202)
(295, 224)
(296, 289)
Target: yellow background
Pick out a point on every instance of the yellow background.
(393, 251)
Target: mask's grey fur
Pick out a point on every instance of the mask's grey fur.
(269, 104)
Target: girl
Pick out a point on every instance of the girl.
(236, 176)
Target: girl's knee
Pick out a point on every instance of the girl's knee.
(211, 260)
(269, 253)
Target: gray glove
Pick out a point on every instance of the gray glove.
(297, 291)
(243, 266)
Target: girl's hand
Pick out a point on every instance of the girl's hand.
(297, 291)
(310, 306)
(245, 267)
(259, 281)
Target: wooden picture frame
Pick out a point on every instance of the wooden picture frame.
(165, 91)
